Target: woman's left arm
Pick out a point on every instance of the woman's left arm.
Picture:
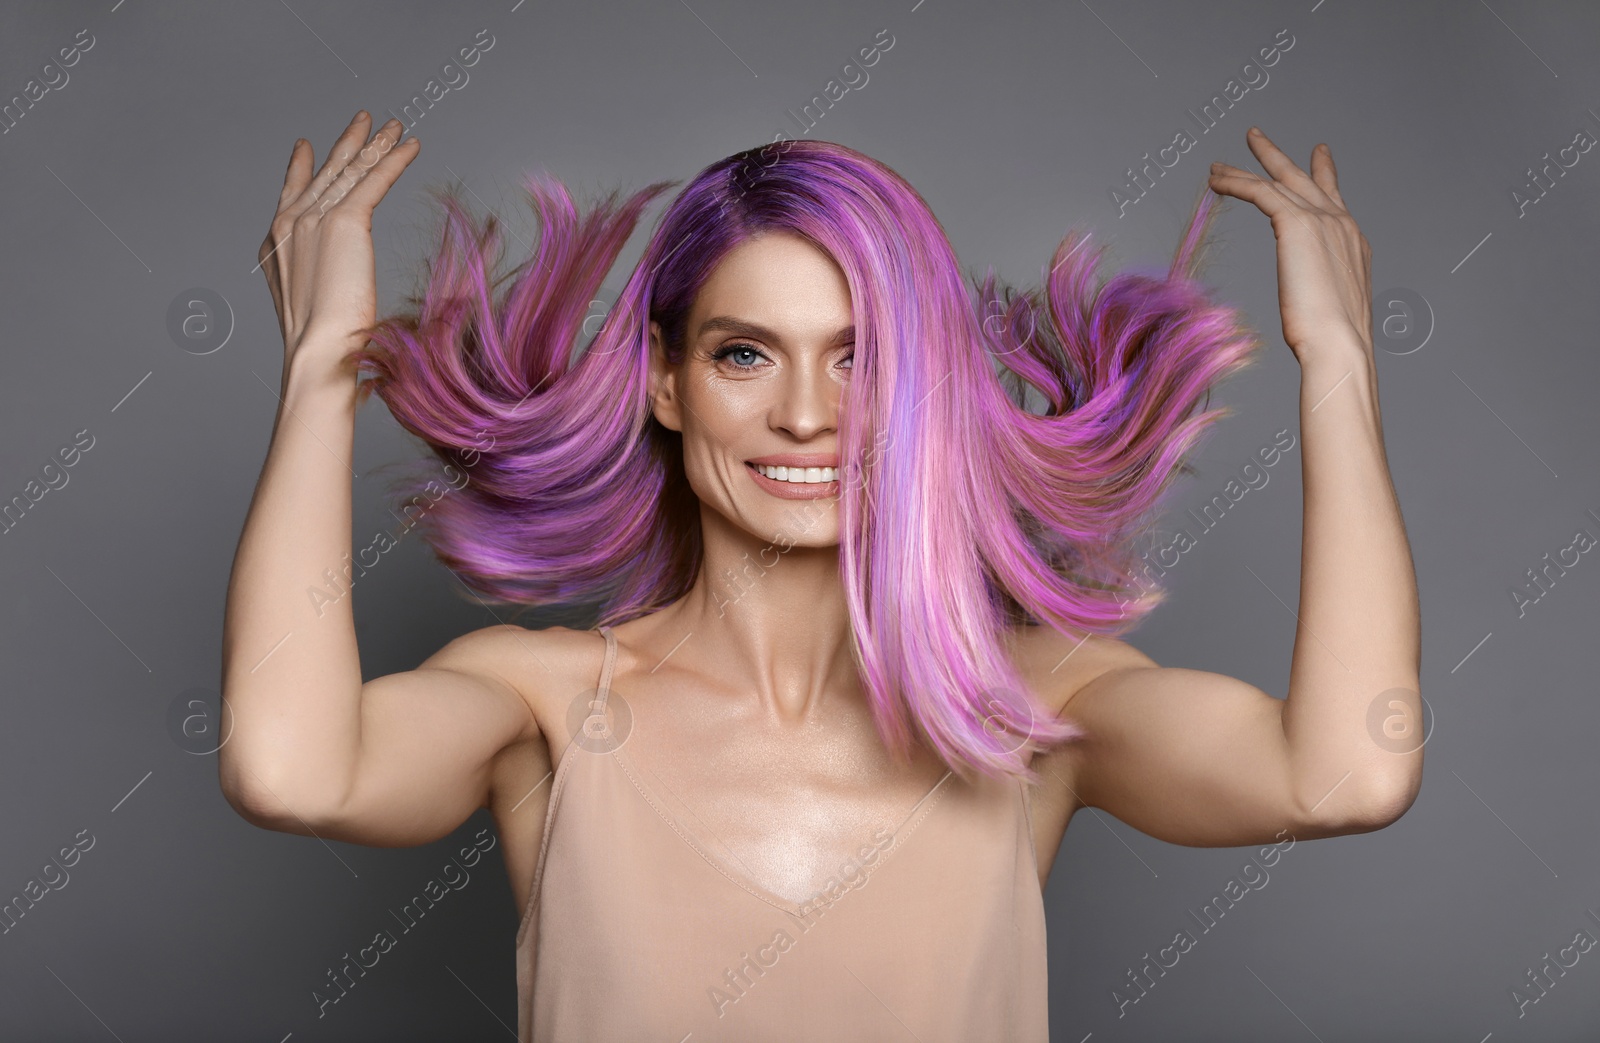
(1204, 759)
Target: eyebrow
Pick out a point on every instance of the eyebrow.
(729, 324)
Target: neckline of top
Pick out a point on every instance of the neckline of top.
(604, 689)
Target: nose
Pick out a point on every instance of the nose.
(808, 402)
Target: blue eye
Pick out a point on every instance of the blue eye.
(729, 349)
(746, 351)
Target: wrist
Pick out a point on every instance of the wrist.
(308, 377)
(1339, 382)
(1335, 355)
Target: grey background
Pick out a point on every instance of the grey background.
(157, 167)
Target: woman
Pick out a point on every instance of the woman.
(808, 778)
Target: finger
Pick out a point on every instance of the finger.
(1224, 168)
(369, 156)
(1253, 188)
(1282, 168)
(375, 184)
(270, 272)
(1324, 174)
(298, 173)
(342, 153)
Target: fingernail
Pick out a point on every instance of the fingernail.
(362, 114)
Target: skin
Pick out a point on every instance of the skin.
(1184, 755)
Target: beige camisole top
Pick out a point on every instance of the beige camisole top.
(637, 930)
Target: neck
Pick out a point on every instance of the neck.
(771, 620)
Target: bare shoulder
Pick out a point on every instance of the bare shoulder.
(1058, 665)
(545, 668)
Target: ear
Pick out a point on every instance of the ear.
(663, 384)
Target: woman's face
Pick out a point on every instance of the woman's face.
(767, 354)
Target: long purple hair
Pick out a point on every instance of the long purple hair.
(1001, 453)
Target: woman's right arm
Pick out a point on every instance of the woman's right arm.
(402, 759)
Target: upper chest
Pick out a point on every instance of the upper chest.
(781, 800)
(781, 803)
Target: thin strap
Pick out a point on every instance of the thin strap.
(599, 704)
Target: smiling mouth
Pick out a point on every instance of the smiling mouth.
(796, 483)
(801, 476)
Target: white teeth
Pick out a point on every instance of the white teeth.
(799, 475)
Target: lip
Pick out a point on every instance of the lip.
(797, 460)
(793, 490)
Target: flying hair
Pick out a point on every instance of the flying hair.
(1002, 452)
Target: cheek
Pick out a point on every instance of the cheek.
(721, 427)
(702, 466)
(729, 416)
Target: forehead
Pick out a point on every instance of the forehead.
(778, 280)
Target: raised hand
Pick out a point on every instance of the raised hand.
(317, 255)
(1324, 262)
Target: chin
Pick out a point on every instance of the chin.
(809, 524)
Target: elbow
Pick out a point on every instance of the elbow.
(250, 806)
(242, 788)
(270, 805)
(269, 787)
(252, 801)
(1380, 802)
(1391, 797)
